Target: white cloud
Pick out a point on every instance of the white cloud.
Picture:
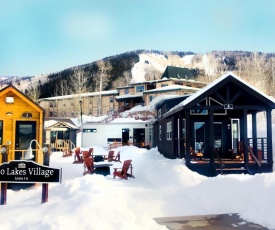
(84, 26)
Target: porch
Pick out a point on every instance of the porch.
(241, 159)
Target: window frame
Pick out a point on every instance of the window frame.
(169, 131)
(141, 88)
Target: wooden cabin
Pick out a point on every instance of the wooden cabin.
(21, 121)
(60, 133)
(210, 129)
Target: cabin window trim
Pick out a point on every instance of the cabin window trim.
(169, 130)
(199, 135)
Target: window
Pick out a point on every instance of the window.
(183, 129)
(151, 98)
(178, 83)
(89, 130)
(199, 134)
(159, 113)
(160, 132)
(111, 99)
(169, 131)
(198, 110)
(163, 85)
(140, 88)
(113, 140)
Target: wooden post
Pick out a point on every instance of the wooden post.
(45, 193)
(4, 185)
(3, 193)
(46, 161)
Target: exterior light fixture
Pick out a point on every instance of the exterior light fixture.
(9, 113)
(29, 154)
(3, 150)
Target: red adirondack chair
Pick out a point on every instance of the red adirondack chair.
(88, 165)
(91, 152)
(123, 173)
(111, 156)
(77, 158)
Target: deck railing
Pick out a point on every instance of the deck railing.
(137, 144)
(63, 145)
(261, 147)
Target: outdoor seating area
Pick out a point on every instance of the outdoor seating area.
(98, 163)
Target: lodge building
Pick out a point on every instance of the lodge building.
(175, 80)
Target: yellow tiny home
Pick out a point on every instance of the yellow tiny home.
(21, 121)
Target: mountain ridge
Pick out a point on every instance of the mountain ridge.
(139, 65)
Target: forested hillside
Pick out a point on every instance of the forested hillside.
(258, 69)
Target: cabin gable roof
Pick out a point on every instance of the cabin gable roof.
(228, 89)
(10, 89)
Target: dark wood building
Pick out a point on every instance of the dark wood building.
(210, 128)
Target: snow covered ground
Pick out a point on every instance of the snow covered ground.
(161, 188)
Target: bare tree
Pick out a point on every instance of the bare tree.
(79, 86)
(102, 79)
(254, 69)
(79, 82)
(34, 93)
(62, 90)
(153, 75)
(122, 80)
(211, 67)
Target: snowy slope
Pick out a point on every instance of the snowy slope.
(152, 61)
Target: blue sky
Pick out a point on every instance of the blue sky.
(45, 36)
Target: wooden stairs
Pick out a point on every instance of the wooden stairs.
(231, 168)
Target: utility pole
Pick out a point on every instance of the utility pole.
(80, 104)
(100, 89)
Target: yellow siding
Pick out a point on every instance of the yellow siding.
(21, 105)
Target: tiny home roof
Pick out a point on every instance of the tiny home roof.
(11, 90)
(222, 81)
(55, 121)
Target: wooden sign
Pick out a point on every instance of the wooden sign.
(23, 171)
(228, 106)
